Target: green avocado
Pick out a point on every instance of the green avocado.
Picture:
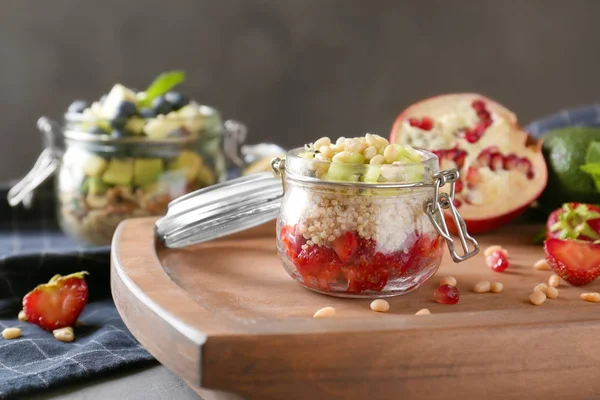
(565, 152)
(187, 162)
(119, 172)
(95, 186)
(146, 170)
(94, 165)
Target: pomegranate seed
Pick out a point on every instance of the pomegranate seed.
(458, 186)
(497, 261)
(497, 162)
(457, 203)
(473, 175)
(484, 159)
(414, 122)
(471, 136)
(530, 175)
(478, 105)
(511, 161)
(460, 160)
(524, 166)
(446, 294)
(487, 123)
(426, 124)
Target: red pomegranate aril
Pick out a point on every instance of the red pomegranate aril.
(485, 158)
(414, 122)
(426, 124)
(459, 160)
(473, 176)
(496, 162)
(511, 161)
(471, 136)
(497, 261)
(457, 203)
(447, 294)
(524, 166)
(458, 186)
(478, 105)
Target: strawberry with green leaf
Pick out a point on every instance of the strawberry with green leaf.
(574, 221)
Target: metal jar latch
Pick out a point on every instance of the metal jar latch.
(433, 208)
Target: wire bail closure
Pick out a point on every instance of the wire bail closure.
(434, 208)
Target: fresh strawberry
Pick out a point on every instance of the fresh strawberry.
(318, 265)
(575, 261)
(345, 246)
(292, 240)
(574, 221)
(58, 303)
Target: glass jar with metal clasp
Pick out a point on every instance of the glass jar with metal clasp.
(349, 231)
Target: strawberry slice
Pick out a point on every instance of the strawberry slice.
(345, 246)
(577, 262)
(574, 221)
(58, 303)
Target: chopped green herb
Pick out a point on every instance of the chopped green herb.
(161, 85)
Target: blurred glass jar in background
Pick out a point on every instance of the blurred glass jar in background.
(102, 179)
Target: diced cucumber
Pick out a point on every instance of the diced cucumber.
(94, 165)
(372, 173)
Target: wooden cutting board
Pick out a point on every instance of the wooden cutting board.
(227, 319)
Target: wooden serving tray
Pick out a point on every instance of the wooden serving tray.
(227, 318)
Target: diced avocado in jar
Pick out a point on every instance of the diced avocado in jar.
(188, 162)
(340, 172)
(146, 170)
(205, 176)
(119, 172)
(407, 154)
(135, 126)
(95, 186)
(94, 165)
(372, 173)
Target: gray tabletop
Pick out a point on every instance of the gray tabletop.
(148, 383)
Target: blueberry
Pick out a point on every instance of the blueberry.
(126, 109)
(160, 105)
(177, 100)
(78, 106)
(118, 134)
(118, 123)
(147, 113)
(96, 130)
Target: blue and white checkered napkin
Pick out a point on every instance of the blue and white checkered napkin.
(32, 250)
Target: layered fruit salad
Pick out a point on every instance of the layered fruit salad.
(352, 240)
(130, 153)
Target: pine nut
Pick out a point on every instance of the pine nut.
(380, 305)
(482, 287)
(591, 297)
(381, 142)
(370, 152)
(540, 288)
(554, 281)
(325, 312)
(324, 141)
(340, 141)
(371, 140)
(390, 153)
(64, 334)
(353, 145)
(424, 311)
(551, 292)
(541, 265)
(11, 333)
(342, 156)
(491, 249)
(448, 280)
(327, 151)
(22, 317)
(537, 298)
(497, 287)
(377, 160)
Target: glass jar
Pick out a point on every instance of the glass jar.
(101, 181)
(346, 238)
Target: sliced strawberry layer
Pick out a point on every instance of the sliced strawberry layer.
(576, 262)
(355, 261)
(574, 221)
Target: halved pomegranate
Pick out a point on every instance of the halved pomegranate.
(502, 169)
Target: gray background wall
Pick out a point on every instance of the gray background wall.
(293, 69)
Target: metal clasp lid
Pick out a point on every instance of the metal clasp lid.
(434, 208)
(46, 164)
